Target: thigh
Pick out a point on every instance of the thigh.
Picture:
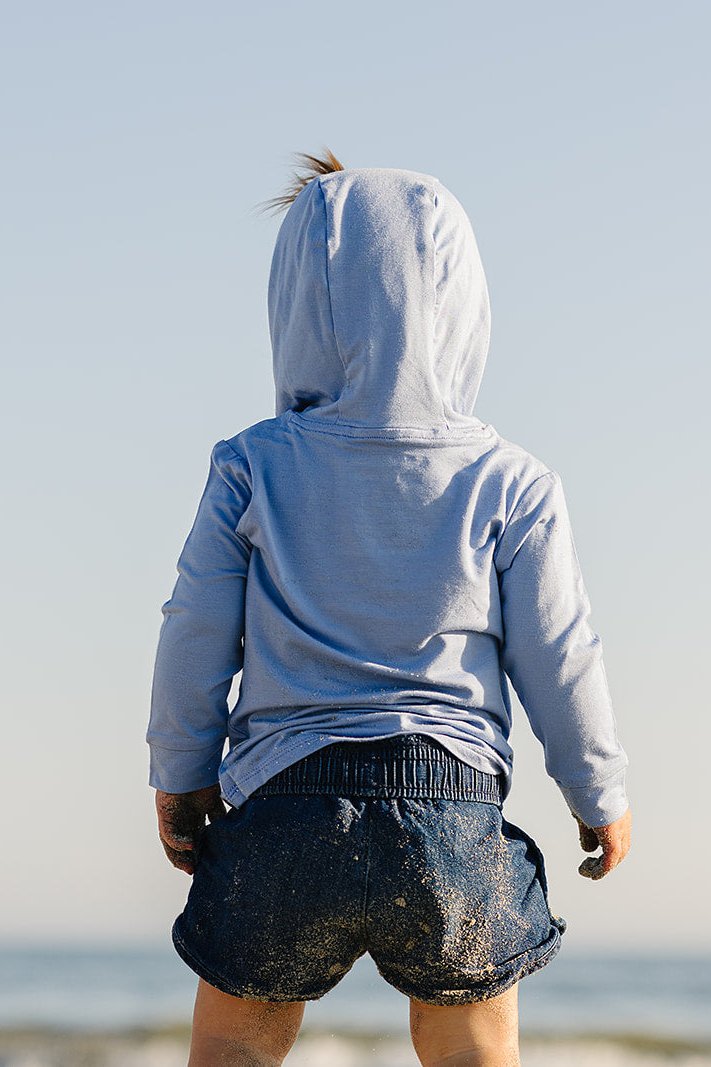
(484, 1032)
(457, 905)
(230, 1029)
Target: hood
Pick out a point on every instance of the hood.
(378, 305)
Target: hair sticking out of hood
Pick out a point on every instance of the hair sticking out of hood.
(378, 304)
(315, 165)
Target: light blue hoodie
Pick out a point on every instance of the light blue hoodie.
(375, 559)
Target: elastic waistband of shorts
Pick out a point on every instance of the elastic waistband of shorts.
(405, 765)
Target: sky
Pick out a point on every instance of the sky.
(138, 140)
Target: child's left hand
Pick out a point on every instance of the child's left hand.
(613, 838)
(181, 816)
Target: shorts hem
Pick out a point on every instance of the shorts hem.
(216, 980)
(488, 989)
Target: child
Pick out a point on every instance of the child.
(376, 560)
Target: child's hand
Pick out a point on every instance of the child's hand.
(614, 839)
(180, 818)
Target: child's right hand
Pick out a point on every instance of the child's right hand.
(181, 816)
(614, 840)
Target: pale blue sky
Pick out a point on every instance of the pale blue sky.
(137, 139)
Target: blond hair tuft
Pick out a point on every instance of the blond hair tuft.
(314, 166)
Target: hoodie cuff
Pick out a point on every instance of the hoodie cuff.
(183, 771)
(600, 803)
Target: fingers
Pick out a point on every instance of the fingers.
(178, 848)
(179, 829)
(178, 842)
(588, 837)
(181, 818)
(178, 820)
(181, 859)
(591, 867)
(615, 840)
(597, 867)
(612, 855)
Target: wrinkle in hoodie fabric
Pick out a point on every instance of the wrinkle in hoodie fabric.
(375, 559)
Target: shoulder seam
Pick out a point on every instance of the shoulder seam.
(527, 490)
(243, 461)
(507, 524)
(232, 449)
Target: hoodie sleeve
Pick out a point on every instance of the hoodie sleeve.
(554, 658)
(200, 643)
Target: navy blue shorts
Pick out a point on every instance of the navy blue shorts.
(342, 854)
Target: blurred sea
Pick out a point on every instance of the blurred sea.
(76, 1007)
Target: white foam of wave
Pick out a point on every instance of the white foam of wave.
(334, 1051)
(324, 1051)
(602, 1054)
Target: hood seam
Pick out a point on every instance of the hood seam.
(330, 302)
(433, 194)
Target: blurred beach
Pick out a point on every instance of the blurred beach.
(73, 1007)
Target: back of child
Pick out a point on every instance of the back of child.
(379, 564)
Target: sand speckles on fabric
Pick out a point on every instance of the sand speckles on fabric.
(447, 897)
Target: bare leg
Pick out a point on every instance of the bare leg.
(484, 1034)
(235, 1032)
